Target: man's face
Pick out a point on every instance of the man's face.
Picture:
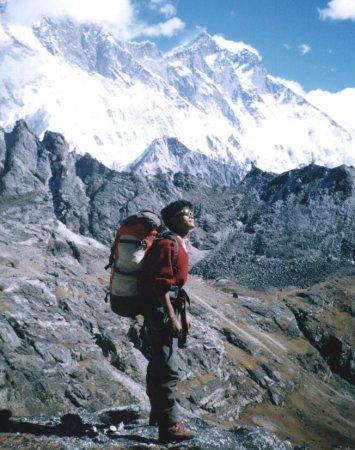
(183, 220)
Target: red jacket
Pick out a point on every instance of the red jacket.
(158, 273)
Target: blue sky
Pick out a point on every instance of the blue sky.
(311, 42)
(308, 41)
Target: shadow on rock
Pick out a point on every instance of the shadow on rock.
(70, 425)
(72, 428)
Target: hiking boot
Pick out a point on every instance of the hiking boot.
(176, 432)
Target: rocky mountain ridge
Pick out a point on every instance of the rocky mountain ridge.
(257, 365)
(290, 229)
(278, 230)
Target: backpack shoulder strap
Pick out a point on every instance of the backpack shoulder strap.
(168, 235)
(112, 253)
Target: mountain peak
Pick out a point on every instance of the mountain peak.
(235, 47)
(208, 44)
(204, 38)
(202, 43)
(169, 155)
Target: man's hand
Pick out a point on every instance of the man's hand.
(188, 322)
(175, 326)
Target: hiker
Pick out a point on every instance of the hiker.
(164, 273)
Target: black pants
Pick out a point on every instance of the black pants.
(162, 371)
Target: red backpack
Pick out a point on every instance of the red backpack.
(133, 239)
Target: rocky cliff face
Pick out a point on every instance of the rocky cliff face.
(263, 370)
(290, 229)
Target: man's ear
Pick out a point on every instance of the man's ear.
(173, 222)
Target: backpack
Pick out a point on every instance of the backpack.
(134, 238)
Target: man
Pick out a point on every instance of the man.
(163, 276)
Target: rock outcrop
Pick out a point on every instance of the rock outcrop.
(293, 229)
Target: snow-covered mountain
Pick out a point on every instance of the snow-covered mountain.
(113, 99)
(169, 155)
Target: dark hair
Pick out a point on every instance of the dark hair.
(169, 211)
